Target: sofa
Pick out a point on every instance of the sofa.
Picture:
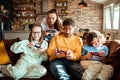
(113, 59)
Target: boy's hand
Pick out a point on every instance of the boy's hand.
(89, 55)
(101, 53)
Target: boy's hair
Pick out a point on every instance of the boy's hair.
(68, 21)
(30, 35)
(90, 37)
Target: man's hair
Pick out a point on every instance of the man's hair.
(68, 21)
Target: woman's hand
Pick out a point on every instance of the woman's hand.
(46, 33)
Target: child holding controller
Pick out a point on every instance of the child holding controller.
(93, 55)
(34, 52)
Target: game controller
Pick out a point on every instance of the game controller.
(95, 53)
(51, 31)
(37, 46)
(61, 51)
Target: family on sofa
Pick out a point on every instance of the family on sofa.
(66, 53)
(61, 55)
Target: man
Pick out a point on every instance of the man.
(64, 50)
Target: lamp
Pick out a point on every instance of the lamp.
(82, 4)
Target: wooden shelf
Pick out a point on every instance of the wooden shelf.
(24, 12)
(61, 6)
(25, 17)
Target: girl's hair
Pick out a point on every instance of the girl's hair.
(30, 35)
(57, 25)
(90, 36)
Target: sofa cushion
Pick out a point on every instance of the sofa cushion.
(4, 58)
(114, 44)
(114, 54)
(13, 57)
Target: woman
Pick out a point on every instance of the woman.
(34, 52)
(93, 55)
(51, 24)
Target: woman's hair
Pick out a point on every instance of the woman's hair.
(31, 28)
(90, 36)
(57, 25)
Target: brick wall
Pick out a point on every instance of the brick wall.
(89, 17)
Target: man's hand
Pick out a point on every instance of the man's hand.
(59, 52)
(69, 55)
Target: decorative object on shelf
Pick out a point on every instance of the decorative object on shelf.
(26, 25)
(82, 4)
(61, 7)
(24, 12)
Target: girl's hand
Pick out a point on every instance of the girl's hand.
(41, 50)
(31, 44)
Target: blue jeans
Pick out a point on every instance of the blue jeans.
(61, 67)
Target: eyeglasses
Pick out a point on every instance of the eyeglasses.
(37, 32)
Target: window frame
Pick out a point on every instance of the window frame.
(111, 7)
(116, 5)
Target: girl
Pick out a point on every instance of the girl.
(34, 52)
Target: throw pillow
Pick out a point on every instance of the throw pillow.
(8, 43)
(4, 58)
(114, 59)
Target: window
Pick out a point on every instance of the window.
(112, 17)
(107, 18)
(116, 17)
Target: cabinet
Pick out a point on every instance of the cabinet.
(24, 11)
(61, 6)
